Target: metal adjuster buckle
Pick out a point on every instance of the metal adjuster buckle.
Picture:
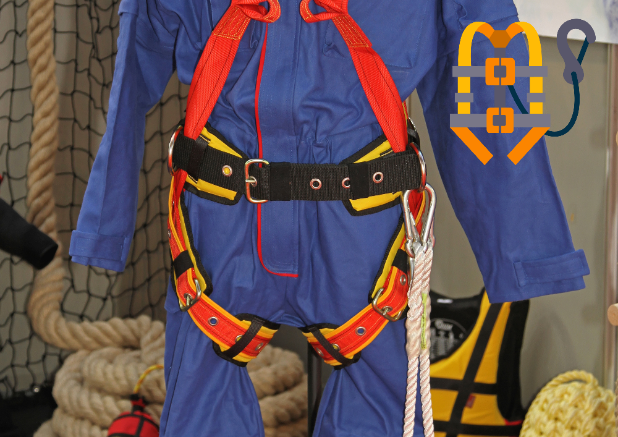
(384, 310)
(251, 181)
(170, 151)
(190, 301)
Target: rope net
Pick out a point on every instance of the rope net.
(84, 36)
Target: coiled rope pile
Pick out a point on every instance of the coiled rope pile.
(94, 384)
(571, 405)
(92, 388)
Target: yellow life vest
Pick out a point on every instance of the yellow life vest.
(475, 366)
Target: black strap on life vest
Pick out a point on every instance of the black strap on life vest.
(284, 181)
(467, 386)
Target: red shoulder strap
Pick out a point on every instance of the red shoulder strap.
(217, 58)
(374, 77)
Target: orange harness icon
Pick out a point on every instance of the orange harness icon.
(500, 72)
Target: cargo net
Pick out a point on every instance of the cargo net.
(85, 36)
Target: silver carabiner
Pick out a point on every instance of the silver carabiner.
(415, 242)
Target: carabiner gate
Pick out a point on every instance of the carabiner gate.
(416, 243)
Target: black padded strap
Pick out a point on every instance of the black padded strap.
(466, 387)
(182, 263)
(281, 181)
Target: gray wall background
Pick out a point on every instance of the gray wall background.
(564, 332)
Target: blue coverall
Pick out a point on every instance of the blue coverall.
(317, 261)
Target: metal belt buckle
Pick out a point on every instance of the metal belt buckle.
(384, 310)
(190, 301)
(251, 181)
(170, 151)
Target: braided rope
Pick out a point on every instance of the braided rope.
(571, 405)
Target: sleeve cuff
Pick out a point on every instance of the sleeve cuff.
(553, 275)
(105, 251)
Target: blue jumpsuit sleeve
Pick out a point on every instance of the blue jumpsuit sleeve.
(144, 65)
(512, 214)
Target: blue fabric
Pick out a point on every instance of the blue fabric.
(312, 109)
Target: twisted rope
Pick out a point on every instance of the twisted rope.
(419, 286)
(47, 289)
(424, 358)
(92, 389)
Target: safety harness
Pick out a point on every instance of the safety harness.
(475, 366)
(389, 170)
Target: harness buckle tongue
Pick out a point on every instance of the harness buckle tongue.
(190, 301)
(384, 310)
(251, 181)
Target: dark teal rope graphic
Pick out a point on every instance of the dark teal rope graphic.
(575, 113)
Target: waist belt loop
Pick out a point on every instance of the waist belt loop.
(196, 157)
(281, 181)
(359, 180)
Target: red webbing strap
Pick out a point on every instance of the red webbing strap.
(217, 58)
(358, 332)
(363, 328)
(377, 82)
(218, 324)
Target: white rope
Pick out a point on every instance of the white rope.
(418, 357)
(424, 359)
(92, 389)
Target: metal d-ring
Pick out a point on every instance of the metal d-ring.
(190, 301)
(170, 151)
(384, 311)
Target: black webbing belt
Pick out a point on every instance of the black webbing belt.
(286, 181)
